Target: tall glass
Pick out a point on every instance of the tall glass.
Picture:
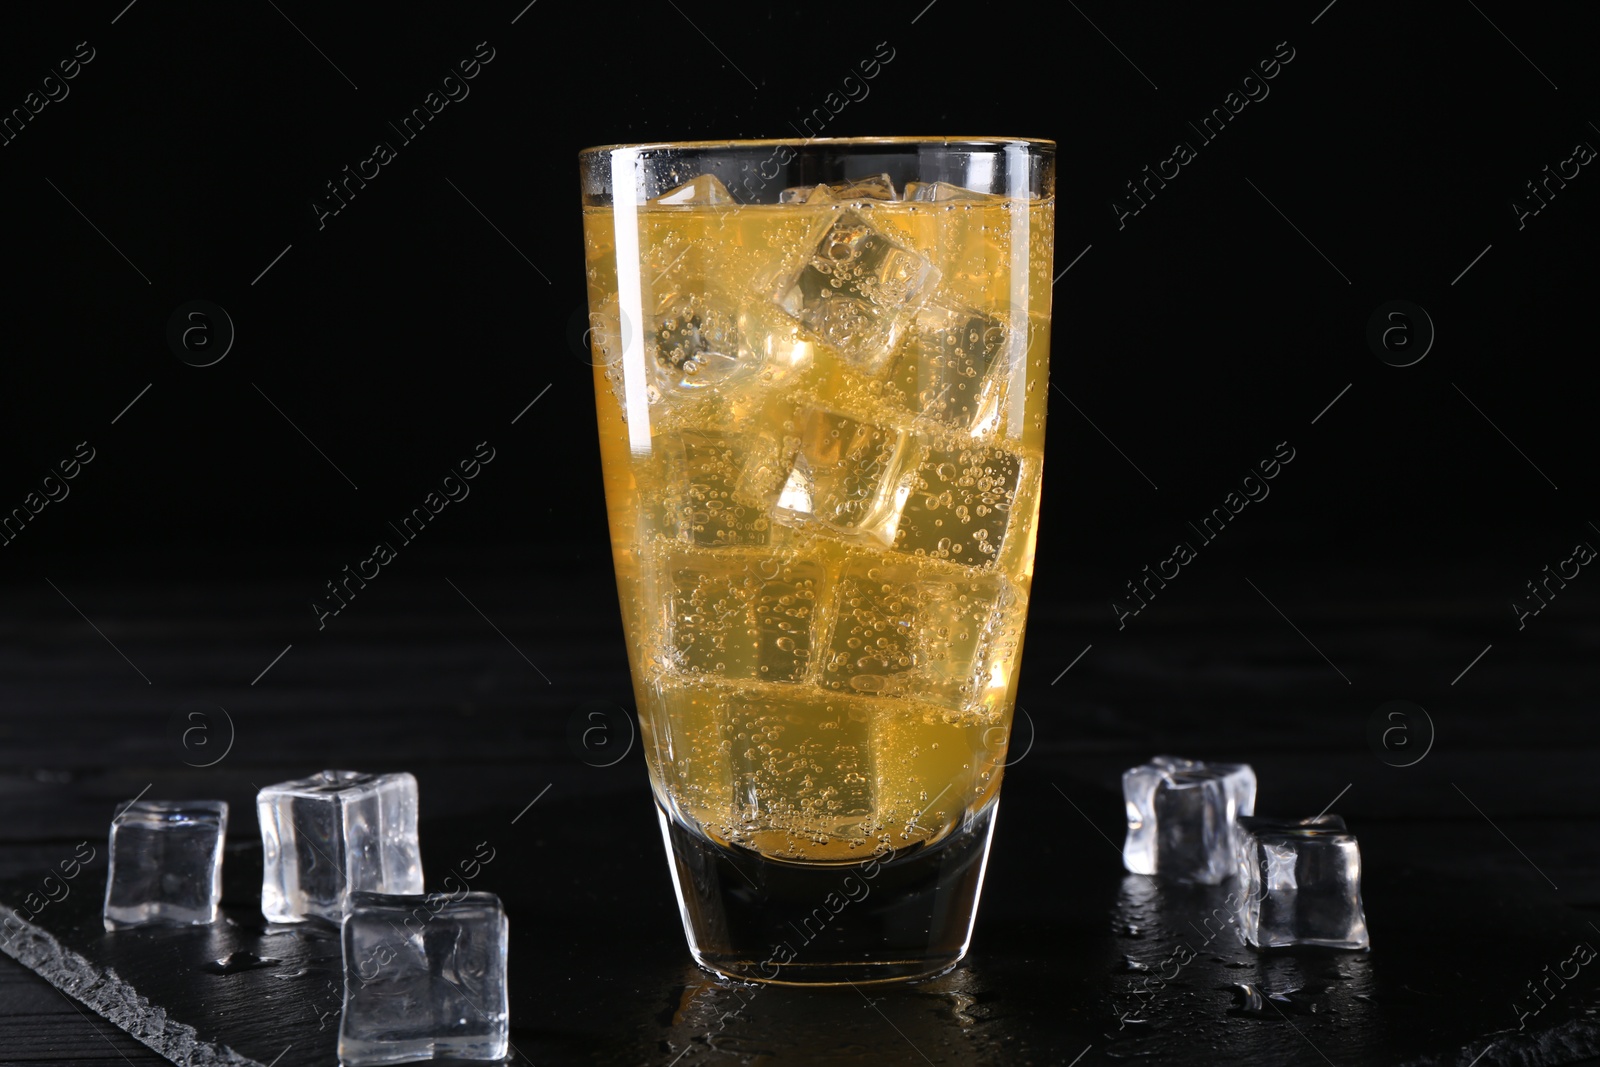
(820, 369)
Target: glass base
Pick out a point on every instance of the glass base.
(889, 918)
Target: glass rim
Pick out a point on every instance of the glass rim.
(992, 142)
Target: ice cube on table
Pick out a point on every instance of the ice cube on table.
(166, 863)
(945, 372)
(744, 616)
(333, 834)
(846, 474)
(1182, 818)
(702, 191)
(1275, 866)
(857, 290)
(1300, 884)
(959, 504)
(875, 187)
(424, 978)
(1268, 823)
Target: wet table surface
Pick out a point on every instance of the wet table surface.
(1482, 861)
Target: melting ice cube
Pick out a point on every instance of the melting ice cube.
(1300, 884)
(740, 617)
(704, 502)
(876, 187)
(944, 191)
(901, 630)
(166, 863)
(946, 372)
(858, 290)
(696, 341)
(704, 190)
(1182, 818)
(846, 474)
(959, 504)
(425, 978)
(333, 834)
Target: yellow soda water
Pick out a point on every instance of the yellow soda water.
(822, 428)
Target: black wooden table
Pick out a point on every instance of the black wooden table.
(1482, 866)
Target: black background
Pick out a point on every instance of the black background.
(1222, 319)
(407, 329)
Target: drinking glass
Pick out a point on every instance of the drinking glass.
(820, 371)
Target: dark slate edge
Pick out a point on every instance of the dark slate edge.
(1575, 1039)
(110, 997)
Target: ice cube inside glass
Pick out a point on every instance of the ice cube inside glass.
(424, 978)
(857, 288)
(1182, 818)
(166, 863)
(333, 834)
(1300, 884)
